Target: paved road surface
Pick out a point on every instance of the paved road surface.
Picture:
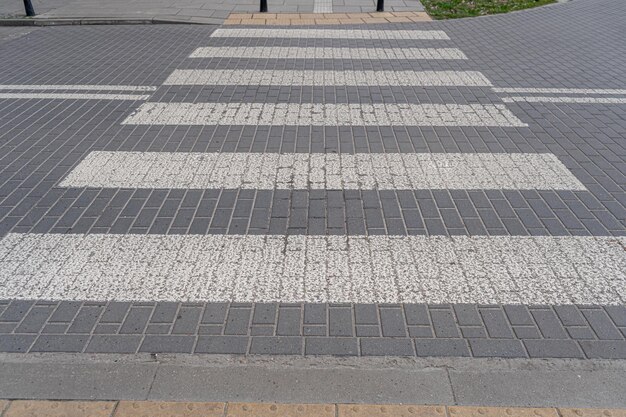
(437, 189)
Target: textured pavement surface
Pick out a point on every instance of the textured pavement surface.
(432, 189)
(19, 408)
(191, 11)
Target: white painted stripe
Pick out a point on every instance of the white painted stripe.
(327, 78)
(364, 171)
(294, 114)
(357, 269)
(71, 87)
(73, 96)
(560, 90)
(581, 100)
(330, 34)
(283, 52)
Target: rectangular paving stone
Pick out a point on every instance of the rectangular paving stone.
(550, 348)
(237, 321)
(387, 347)
(549, 324)
(336, 346)
(280, 345)
(602, 325)
(570, 315)
(467, 315)
(340, 322)
(113, 344)
(222, 344)
(604, 349)
(136, 320)
(264, 313)
(16, 343)
(519, 315)
(35, 320)
(366, 314)
(496, 323)
(501, 348)
(214, 313)
(167, 344)
(164, 312)
(417, 314)
(617, 314)
(392, 322)
(441, 347)
(16, 310)
(115, 312)
(187, 320)
(444, 323)
(60, 343)
(85, 320)
(289, 322)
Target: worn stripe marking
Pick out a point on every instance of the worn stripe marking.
(294, 114)
(531, 90)
(280, 52)
(327, 78)
(321, 171)
(73, 96)
(374, 269)
(70, 87)
(330, 34)
(575, 100)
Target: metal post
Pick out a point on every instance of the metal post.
(380, 6)
(263, 6)
(28, 6)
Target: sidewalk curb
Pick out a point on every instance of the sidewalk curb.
(103, 21)
(322, 379)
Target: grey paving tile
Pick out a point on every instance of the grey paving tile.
(289, 322)
(442, 347)
(113, 344)
(387, 347)
(222, 344)
(604, 349)
(167, 344)
(60, 343)
(502, 348)
(337, 346)
(16, 343)
(277, 345)
(550, 348)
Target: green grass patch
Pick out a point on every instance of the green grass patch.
(451, 9)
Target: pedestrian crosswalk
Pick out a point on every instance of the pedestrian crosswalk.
(294, 52)
(336, 269)
(362, 171)
(307, 266)
(327, 78)
(323, 114)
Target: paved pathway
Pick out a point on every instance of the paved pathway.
(242, 409)
(193, 11)
(430, 189)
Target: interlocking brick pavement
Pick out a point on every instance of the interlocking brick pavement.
(573, 49)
